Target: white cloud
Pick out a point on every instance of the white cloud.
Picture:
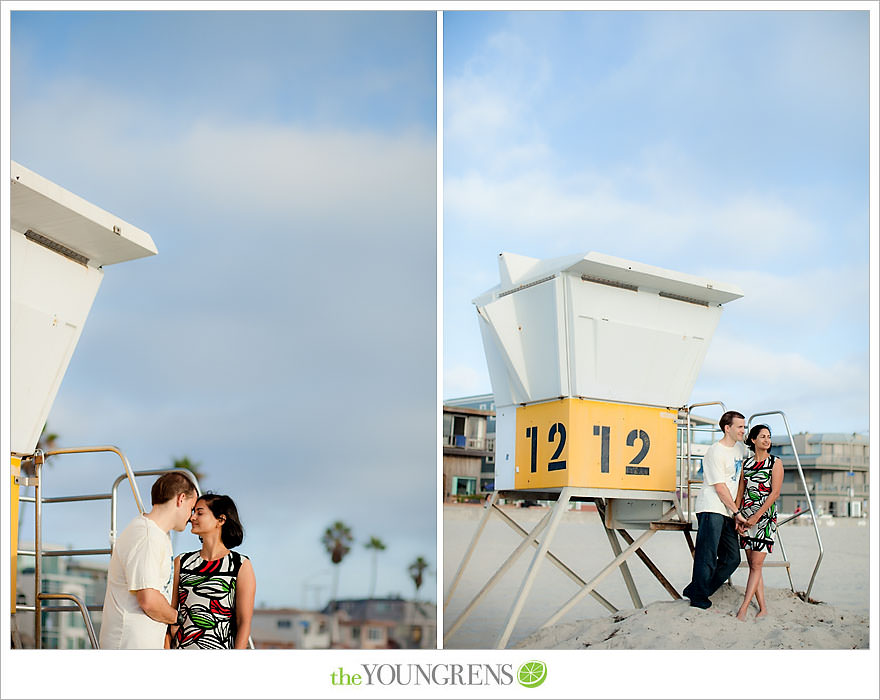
(572, 210)
(276, 170)
(271, 169)
(810, 301)
(759, 376)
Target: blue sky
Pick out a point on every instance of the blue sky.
(730, 145)
(284, 164)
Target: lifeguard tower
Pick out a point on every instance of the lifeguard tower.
(592, 361)
(59, 246)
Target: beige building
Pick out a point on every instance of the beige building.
(468, 452)
(835, 468)
(291, 628)
(386, 623)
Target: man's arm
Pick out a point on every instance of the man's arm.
(724, 494)
(155, 606)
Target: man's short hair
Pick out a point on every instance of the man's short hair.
(727, 418)
(169, 485)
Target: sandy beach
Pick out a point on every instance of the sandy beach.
(838, 621)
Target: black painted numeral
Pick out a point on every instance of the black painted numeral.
(643, 452)
(606, 441)
(555, 463)
(532, 434)
(557, 430)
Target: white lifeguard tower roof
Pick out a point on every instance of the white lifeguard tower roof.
(54, 213)
(520, 271)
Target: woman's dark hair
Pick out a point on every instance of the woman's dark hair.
(753, 433)
(231, 532)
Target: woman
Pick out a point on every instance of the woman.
(759, 487)
(214, 587)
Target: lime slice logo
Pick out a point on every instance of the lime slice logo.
(531, 674)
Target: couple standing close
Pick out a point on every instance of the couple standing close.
(736, 508)
(200, 600)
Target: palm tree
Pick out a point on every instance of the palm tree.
(416, 571)
(337, 540)
(377, 546)
(46, 442)
(193, 467)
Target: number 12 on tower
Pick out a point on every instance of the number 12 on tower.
(576, 442)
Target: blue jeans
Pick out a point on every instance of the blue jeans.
(716, 557)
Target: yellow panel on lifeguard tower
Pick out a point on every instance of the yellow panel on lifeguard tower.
(15, 471)
(595, 444)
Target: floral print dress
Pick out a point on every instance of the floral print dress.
(206, 598)
(758, 477)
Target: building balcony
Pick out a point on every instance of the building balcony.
(814, 461)
(463, 442)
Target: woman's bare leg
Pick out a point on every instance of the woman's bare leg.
(759, 591)
(751, 584)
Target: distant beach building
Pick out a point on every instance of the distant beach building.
(385, 623)
(835, 468)
(291, 628)
(468, 446)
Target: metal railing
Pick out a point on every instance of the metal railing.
(471, 443)
(806, 495)
(689, 430)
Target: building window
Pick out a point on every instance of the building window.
(355, 632)
(416, 635)
(374, 634)
(458, 434)
(283, 624)
(464, 486)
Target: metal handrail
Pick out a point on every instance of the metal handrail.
(806, 493)
(105, 448)
(688, 410)
(79, 604)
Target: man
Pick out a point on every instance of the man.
(716, 553)
(137, 605)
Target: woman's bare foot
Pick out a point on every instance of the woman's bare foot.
(741, 615)
(761, 613)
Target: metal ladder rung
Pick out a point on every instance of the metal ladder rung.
(74, 499)
(74, 552)
(57, 608)
(786, 564)
(676, 525)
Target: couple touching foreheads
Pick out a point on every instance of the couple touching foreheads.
(200, 600)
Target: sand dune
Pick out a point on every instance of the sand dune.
(792, 624)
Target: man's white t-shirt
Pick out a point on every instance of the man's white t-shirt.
(721, 465)
(142, 558)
